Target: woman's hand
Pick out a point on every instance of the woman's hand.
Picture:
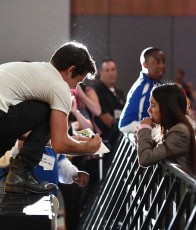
(74, 107)
(147, 121)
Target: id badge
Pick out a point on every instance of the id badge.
(47, 162)
(117, 113)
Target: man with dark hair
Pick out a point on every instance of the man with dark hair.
(36, 98)
(153, 68)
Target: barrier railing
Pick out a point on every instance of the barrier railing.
(131, 197)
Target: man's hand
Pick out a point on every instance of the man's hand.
(62, 143)
(81, 179)
(94, 143)
(80, 138)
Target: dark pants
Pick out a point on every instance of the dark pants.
(71, 196)
(27, 116)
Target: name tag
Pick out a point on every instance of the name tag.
(117, 113)
(47, 162)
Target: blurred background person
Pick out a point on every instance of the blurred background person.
(112, 101)
(111, 98)
(186, 86)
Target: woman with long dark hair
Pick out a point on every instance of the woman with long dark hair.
(168, 108)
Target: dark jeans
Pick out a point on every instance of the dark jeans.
(27, 116)
(71, 197)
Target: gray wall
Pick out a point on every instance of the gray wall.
(32, 29)
(124, 38)
(35, 29)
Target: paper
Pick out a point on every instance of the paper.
(89, 133)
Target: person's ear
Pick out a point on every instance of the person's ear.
(71, 69)
(145, 68)
(144, 65)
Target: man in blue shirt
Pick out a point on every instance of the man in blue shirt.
(153, 68)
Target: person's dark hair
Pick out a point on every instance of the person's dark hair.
(173, 109)
(181, 72)
(74, 54)
(106, 59)
(146, 53)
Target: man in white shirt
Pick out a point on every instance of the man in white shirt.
(35, 97)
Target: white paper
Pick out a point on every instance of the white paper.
(89, 133)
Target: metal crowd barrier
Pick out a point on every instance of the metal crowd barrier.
(131, 197)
